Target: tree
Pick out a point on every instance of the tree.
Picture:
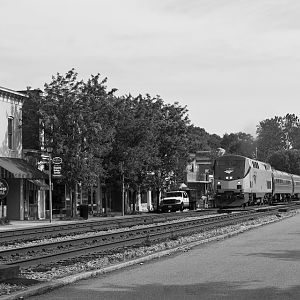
(239, 143)
(150, 142)
(198, 139)
(134, 152)
(77, 122)
(172, 145)
(286, 161)
(291, 130)
(270, 137)
(278, 133)
(279, 160)
(214, 141)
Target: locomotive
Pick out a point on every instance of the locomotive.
(242, 181)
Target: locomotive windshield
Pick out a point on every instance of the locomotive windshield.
(230, 167)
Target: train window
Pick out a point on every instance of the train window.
(269, 186)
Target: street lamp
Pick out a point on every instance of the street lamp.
(49, 151)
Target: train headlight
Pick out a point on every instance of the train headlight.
(239, 186)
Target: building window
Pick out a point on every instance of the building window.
(10, 132)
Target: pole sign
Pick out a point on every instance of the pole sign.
(56, 170)
(3, 188)
(57, 160)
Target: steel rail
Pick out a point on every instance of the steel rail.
(42, 254)
(51, 230)
(54, 230)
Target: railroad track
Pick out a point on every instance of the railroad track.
(56, 251)
(78, 227)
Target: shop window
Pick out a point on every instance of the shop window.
(10, 132)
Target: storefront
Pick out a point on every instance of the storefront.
(26, 190)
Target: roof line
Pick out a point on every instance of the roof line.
(13, 92)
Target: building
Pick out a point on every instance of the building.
(199, 174)
(22, 182)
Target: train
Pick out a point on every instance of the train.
(240, 181)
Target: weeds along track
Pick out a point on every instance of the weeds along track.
(50, 252)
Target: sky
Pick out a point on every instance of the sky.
(233, 63)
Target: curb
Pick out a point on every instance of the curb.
(57, 283)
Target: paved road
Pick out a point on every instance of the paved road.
(260, 264)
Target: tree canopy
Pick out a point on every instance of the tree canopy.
(239, 143)
(278, 142)
(103, 136)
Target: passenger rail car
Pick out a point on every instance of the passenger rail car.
(296, 186)
(242, 181)
(282, 186)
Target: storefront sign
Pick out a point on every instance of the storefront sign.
(3, 188)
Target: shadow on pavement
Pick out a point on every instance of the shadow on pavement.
(287, 255)
(203, 291)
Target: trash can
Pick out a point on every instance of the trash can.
(84, 211)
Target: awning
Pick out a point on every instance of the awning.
(36, 184)
(19, 168)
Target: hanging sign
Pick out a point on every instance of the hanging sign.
(56, 160)
(57, 170)
(3, 188)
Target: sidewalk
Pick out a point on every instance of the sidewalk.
(14, 224)
(36, 223)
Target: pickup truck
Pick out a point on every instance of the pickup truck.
(174, 200)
